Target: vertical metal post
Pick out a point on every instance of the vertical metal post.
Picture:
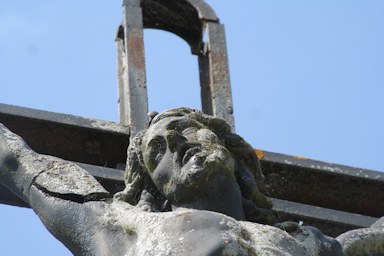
(215, 83)
(133, 99)
(205, 84)
(122, 76)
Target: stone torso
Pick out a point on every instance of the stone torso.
(194, 232)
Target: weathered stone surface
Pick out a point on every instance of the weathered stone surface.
(67, 178)
(365, 241)
(192, 188)
(362, 242)
(379, 224)
(197, 232)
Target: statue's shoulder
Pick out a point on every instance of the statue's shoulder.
(199, 232)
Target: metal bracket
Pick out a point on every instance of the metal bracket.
(189, 19)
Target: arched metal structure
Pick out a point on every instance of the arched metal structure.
(189, 19)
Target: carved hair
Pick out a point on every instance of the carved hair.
(142, 192)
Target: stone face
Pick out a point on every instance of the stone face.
(189, 159)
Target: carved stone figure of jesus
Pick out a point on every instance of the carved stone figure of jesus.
(192, 188)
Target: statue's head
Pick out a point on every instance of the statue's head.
(186, 156)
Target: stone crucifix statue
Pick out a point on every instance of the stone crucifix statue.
(192, 188)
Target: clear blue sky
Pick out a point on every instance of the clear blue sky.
(307, 78)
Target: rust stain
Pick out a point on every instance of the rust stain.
(259, 154)
(300, 158)
(218, 68)
(136, 48)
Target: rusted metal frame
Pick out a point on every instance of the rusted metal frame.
(205, 84)
(330, 222)
(205, 11)
(215, 84)
(324, 184)
(213, 65)
(133, 99)
(122, 77)
(69, 137)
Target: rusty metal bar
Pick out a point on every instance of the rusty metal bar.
(324, 184)
(133, 99)
(330, 222)
(204, 10)
(122, 76)
(69, 137)
(214, 73)
(189, 19)
(205, 85)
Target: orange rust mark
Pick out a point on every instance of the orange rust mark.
(136, 46)
(300, 158)
(259, 154)
(218, 67)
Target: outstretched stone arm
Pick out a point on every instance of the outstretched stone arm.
(69, 201)
(21, 169)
